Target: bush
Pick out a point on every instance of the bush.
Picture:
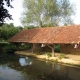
(61, 56)
(24, 46)
(48, 54)
(10, 48)
(57, 48)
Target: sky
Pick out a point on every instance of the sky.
(17, 10)
(77, 15)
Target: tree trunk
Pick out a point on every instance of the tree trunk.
(52, 48)
(53, 54)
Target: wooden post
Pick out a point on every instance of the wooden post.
(53, 53)
(17, 45)
(32, 48)
(52, 48)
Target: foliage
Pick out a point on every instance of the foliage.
(24, 47)
(7, 47)
(45, 13)
(4, 13)
(8, 30)
(48, 54)
(41, 76)
(57, 48)
(12, 47)
(61, 56)
(29, 27)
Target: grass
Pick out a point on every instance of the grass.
(4, 42)
(48, 54)
(61, 56)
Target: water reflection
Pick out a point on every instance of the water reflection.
(10, 68)
(57, 66)
(25, 68)
(25, 61)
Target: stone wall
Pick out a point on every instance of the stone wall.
(69, 49)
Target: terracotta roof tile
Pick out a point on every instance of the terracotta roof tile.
(67, 35)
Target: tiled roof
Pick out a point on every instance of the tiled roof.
(66, 35)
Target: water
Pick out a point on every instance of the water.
(13, 67)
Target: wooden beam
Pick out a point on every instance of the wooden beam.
(32, 48)
(52, 48)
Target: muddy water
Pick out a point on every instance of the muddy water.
(13, 67)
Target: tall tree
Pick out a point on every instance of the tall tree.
(4, 13)
(47, 12)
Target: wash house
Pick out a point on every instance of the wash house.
(44, 39)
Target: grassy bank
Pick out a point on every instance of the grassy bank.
(7, 47)
(12, 47)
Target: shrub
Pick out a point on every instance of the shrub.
(57, 48)
(10, 48)
(61, 56)
(48, 54)
(24, 46)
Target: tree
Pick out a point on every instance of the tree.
(45, 13)
(8, 30)
(4, 13)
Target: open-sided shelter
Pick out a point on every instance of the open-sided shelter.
(68, 37)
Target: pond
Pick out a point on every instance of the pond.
(15, 67)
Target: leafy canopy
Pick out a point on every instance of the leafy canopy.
(45, 13)
(4, 13)
(8, 30)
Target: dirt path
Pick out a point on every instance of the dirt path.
(74, 57)
(71, 59)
